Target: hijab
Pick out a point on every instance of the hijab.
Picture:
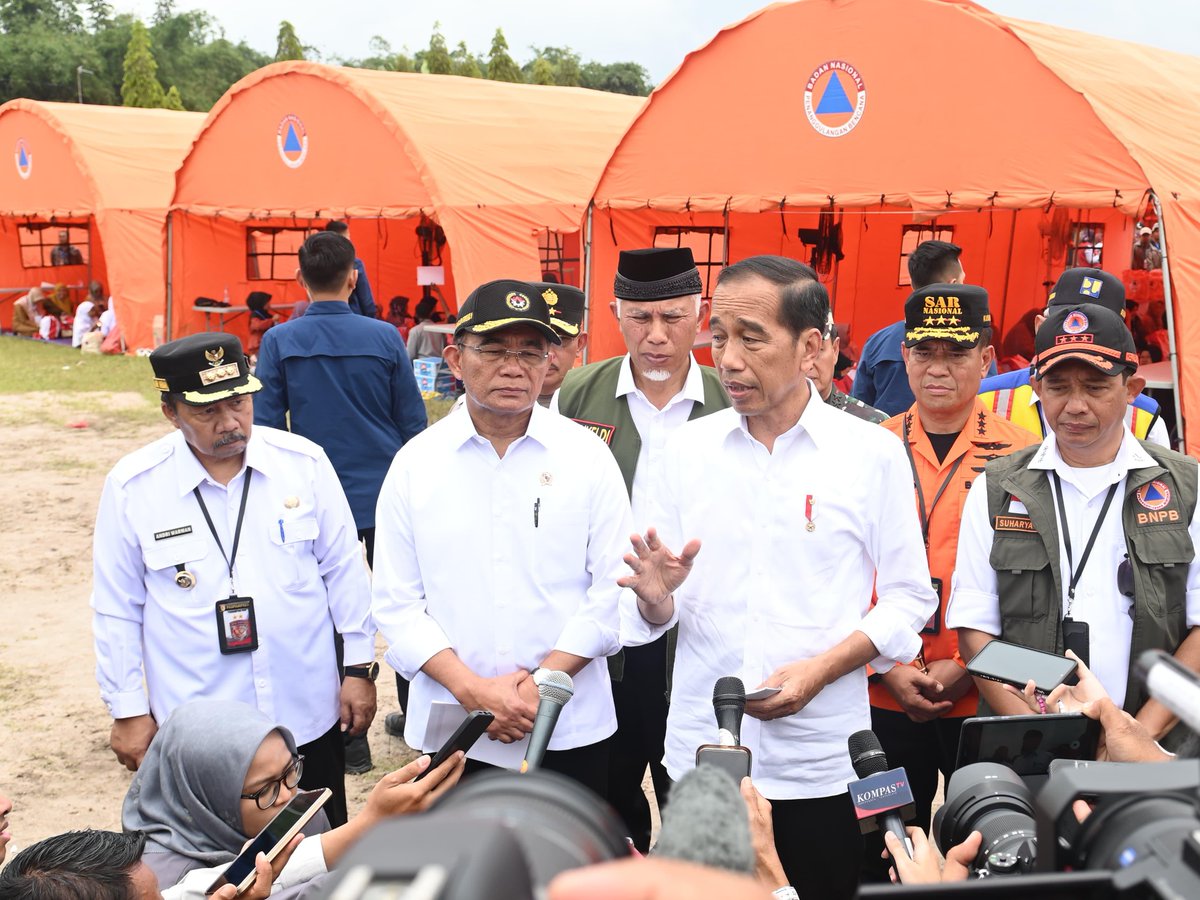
(186, 795)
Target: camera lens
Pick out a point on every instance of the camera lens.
(1119, 834)
(991, 799)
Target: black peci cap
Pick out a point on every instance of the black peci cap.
(503, 304)
(1086, 332)
(656, 273)
(204, 368)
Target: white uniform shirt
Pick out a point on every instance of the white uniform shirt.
(765, 591)
(299, 559)
(975, 600)
(108, 319)
(83, 323)
(460, 563)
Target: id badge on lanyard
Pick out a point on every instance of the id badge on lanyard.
(237, 630)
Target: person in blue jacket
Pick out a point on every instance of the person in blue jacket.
(361, 300)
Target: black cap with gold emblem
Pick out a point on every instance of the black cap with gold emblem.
(503, 304)
(566, 306)
(204, 368)
(1087, 332)
(957, 313)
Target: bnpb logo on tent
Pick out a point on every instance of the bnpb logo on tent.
(291, 139)
(841, 98)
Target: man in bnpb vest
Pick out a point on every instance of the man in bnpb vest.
(1011, 395)
(1085, 542)
(917, 710)
(635, 402)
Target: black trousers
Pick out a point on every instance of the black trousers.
(924, 749)
(588, 765)
(367, 536)
(820, 845)
(325, 767)
(640, 698)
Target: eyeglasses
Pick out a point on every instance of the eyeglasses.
(1125, 578)
(494, 355)
(265, 796)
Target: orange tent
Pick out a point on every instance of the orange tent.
(824, 125)
(104, 174)
(505, 170)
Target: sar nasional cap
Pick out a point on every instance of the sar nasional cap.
(957, 313)
(204, 368)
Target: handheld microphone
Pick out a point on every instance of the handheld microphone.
(882, 798)
(729, 703)
(1172, 684)
(706, 823)
(554, 690)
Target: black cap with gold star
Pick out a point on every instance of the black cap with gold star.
(503, 304)
(204, 368)
(1087, 332)
(957, 313)
(566, 306)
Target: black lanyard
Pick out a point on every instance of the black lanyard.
(927, 516)
(237, 531)
(1066, 531)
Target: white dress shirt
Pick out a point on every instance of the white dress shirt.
(83, 323)
(108, 319)
(975, 600)
(504, 559)
(299, 558)
(765, 591)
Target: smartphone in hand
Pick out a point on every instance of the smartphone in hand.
(471, 730)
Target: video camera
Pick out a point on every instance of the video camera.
(499, 835)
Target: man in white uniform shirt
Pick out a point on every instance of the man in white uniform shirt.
(225, 557)
(1085, 542)
(800, 510)
(509, 563)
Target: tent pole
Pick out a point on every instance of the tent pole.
(587, 277)
(1169, 301)
(170, 267)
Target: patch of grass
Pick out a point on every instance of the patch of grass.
(33, 366)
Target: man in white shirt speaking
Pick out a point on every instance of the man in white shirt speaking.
(800, 510)
(508, 561)
(225, 556)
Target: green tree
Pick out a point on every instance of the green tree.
(541, 72)
(563, 61)
(436, 60)
(172, 100)
(140, 86)
(501, 66)
(464, 63)
(164, 10)
(21, 15)
(287, 45)
(620, 78)
(100, 15)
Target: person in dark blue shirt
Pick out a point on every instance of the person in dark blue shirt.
(345, 382)
(361, 300)
(881, 380)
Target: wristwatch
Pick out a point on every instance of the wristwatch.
(369, 672)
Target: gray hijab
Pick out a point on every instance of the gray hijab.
(186, 795)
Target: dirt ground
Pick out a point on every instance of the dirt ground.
(55, 763)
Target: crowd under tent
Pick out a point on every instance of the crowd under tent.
(104, 175)
(446, 183)
(843, 132)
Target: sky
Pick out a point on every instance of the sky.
(655, 33)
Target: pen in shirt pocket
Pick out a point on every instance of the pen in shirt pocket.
(282, 536)
(537, 506)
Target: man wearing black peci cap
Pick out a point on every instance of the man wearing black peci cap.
(225, 557)
(1085, 542)
(635, 403)
(567, 306)
(509, 563)
(1011, 395)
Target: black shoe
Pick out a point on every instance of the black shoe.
(358, 755)
(393, 724)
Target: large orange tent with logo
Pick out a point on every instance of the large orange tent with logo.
(103, 174)
(855, 128)
(481, 178)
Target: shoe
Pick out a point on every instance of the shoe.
(358, 755)
(393, 724)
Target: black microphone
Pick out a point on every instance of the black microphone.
(729, 703)
(882, 797)
(554, 690)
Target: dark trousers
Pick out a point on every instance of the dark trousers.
(923, 749)
(588, 765)
(367, 536)
(325, 767)
(820, 845)
(640, 698)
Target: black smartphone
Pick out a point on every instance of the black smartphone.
(272, 839)
(733, 761)
(1028, 744)
(1016, 665)
(464, 737)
